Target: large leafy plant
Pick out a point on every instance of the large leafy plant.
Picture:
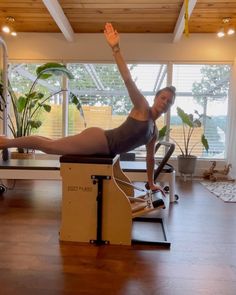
(26, 107)
(189, 124)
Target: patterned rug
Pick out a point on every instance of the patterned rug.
(225, 190)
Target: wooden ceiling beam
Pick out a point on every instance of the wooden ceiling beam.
(179, 27)
(59, 17)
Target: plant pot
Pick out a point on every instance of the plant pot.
(186, 164)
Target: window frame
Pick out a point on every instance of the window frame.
(169, 65)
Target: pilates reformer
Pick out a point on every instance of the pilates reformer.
(17, 169)
(42, 169)
(48, 169)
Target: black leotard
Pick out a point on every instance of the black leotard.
(130, 135)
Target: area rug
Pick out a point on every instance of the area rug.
(225, 190)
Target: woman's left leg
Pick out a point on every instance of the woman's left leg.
(90, 141)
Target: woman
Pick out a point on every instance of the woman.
(139, 128)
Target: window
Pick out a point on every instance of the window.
(203, 88)
(104, 97)
(21, 78)
(106, 102)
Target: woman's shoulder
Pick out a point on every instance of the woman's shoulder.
(140, 114)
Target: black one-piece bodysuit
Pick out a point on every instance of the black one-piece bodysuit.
(130, 135)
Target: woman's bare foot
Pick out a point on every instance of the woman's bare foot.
(3, 142)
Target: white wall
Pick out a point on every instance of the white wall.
(136, 47)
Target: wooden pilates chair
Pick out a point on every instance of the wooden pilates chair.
(98, 203)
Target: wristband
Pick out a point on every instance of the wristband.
(116, 48)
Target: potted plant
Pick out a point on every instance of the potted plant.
(190, 122)
(26, 107)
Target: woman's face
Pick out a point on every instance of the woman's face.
(163, 101)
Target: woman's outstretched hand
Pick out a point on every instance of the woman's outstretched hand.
(111, 35)
(156, 187)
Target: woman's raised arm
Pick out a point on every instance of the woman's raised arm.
(136, 96)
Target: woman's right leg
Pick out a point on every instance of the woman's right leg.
(90, 141)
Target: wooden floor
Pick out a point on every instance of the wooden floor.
(201, 260)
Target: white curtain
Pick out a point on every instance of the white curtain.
(231, 138)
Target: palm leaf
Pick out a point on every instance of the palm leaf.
(205, 142)
(186, 119)
(163, 132)
(76, 101)
(47, 70)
